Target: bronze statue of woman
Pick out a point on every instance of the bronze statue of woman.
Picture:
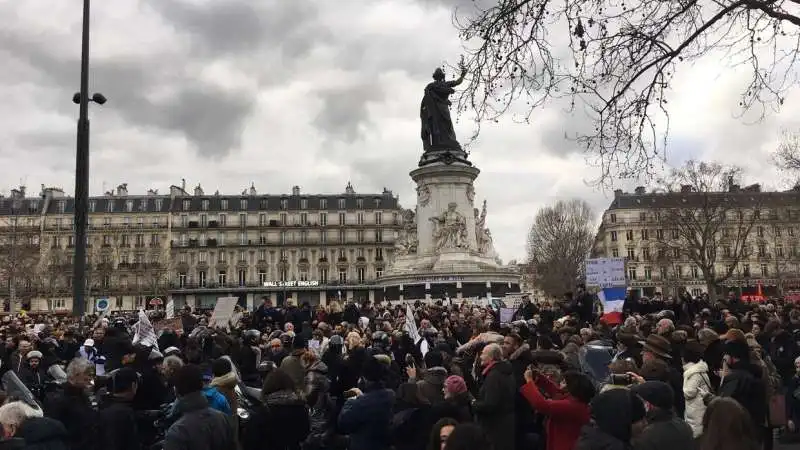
(437, 126)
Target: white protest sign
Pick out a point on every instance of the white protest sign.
(170, 309)
(223, 311)
(605, 272)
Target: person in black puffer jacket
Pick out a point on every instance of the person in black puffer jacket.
(322, 408)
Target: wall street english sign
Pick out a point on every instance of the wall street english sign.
(296, 283)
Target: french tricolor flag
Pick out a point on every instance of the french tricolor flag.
(613, 300)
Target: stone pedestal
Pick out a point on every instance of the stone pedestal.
(445, 189)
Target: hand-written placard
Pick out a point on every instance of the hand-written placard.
(605, 272)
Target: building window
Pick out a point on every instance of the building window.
(304, 219)
(204, 205)
(764, 270)
(323, 275)
(378, 236)
(283, 238)
(342, 275)
(202, 257)
(93, 205)
(201, 278)
(303, 203)
(645, 235)
(726, 251)
(243, 204)
(695, 272)
(676, 253)
(679, 271)
(304, 237)
(613, 236)
(360, 218)
(360, 273)
(342, 236)
(762, 250)
(223, 220)
(779, 250)
(284, 204)
(323, 219)
(303, 275)
(284, 219)
(341, 203)
(323, 203)
(262, 255)
(360, 203)
(378, 218)
(646, 254)
(342, 218)
(187, 205)
(221, 239)
(675, 234)
(378, 272)
(629, 235)
(613, 218)
(262, 220)
(242, 256)
(323, 237)
(760, 231)
(378, 254)
(631, 253)
(222, 278)
(663, 273)
(242, 277)
(242, 220)
(242, 238)
(183, 258)
(342, 254)
(262, 277)
(222, 257)
(615, 252)
(632, 273)
(648, 273)
(360, 235)
(283, 274)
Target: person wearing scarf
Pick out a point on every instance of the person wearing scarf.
(225, 381)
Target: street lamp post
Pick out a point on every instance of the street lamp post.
(82, 172)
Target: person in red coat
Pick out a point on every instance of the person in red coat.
(566, 407)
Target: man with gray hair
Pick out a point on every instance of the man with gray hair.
(494, 405)
(71, 406)
(24, 427)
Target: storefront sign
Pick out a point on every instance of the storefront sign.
(295, 283)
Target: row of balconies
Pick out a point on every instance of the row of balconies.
(278, 224)
(193, 243)
(341, 260)
(109, 226)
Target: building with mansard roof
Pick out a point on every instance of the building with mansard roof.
(194, 247)
(758, 239)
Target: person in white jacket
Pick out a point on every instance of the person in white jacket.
(696, 385)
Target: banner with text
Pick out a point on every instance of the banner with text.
(609, 275)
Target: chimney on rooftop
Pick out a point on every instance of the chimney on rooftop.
(295, 190)
(686, 188)
(618, 193)
(639, 190)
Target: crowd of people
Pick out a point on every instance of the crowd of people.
(681, 372)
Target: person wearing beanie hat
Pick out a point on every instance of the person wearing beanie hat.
(457, 400)
(366, 415)
(744, 382)
(431, 381)
(616, 414)
(225, 380)
(664, 429)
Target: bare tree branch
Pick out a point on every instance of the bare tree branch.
(616, 62)
(705, 225)
(558, 243)
(787, 156)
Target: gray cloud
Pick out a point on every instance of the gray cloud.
(222, 27)
(345, 111)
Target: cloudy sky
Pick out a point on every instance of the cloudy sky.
(308, 92)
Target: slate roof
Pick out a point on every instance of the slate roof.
(216, 203)
(741, 199)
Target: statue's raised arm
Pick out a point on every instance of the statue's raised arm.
(437, 127)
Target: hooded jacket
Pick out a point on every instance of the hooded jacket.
(696, 385)
(613, 414)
